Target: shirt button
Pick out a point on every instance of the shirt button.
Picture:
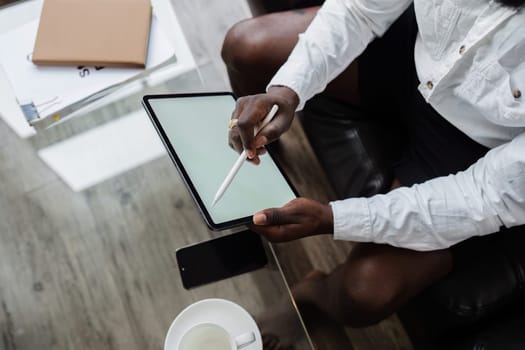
(516, 93)
(462, 49)
(430, 85)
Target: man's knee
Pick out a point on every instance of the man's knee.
(245, 45)
(368, 293)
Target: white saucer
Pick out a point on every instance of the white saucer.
(233, 318)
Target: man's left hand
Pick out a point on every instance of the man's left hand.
(298, 218)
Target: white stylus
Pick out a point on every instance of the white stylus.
(240, 161)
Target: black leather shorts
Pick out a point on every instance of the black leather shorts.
(430, 146)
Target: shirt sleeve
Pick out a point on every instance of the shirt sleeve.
(337, 35)
(443, 211)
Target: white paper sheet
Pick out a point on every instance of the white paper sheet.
(11, 112)
(53, 88)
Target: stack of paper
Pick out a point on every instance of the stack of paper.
(45, 90)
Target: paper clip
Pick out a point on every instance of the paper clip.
(30, 112)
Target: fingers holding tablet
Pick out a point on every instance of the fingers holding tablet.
(298, 218)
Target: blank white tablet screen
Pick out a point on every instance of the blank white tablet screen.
(197, 128)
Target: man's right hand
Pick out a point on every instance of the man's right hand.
(251, 110)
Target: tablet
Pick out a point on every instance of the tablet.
(194, 130)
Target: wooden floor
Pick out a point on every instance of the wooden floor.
(44, 265)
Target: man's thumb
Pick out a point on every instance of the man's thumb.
(273, 216)
(260, 218)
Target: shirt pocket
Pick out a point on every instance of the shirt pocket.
(496, 92)
(436, 20)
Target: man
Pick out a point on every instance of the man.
(455, 78)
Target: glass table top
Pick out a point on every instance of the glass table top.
(91, 212)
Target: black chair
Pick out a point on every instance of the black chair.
(481, 303)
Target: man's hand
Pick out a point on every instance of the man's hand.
(251, 110)
(297, 219)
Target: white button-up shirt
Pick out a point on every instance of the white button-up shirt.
(470, 59)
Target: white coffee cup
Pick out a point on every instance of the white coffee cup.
(219, 319)
(211, 336)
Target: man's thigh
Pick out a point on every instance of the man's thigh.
(405, 270)
(256, 48)
(388, 277)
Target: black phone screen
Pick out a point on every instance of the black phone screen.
(220, 258)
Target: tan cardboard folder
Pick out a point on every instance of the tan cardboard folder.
(93, 32)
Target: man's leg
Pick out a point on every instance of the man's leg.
(254, 49)
(374, 282)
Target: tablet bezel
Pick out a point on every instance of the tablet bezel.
(180, 167)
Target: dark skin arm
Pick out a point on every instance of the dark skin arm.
(300, 217)
(251, 110)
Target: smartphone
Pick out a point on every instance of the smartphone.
(220, 258)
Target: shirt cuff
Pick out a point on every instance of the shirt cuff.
(352, 220)
(283, 78)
